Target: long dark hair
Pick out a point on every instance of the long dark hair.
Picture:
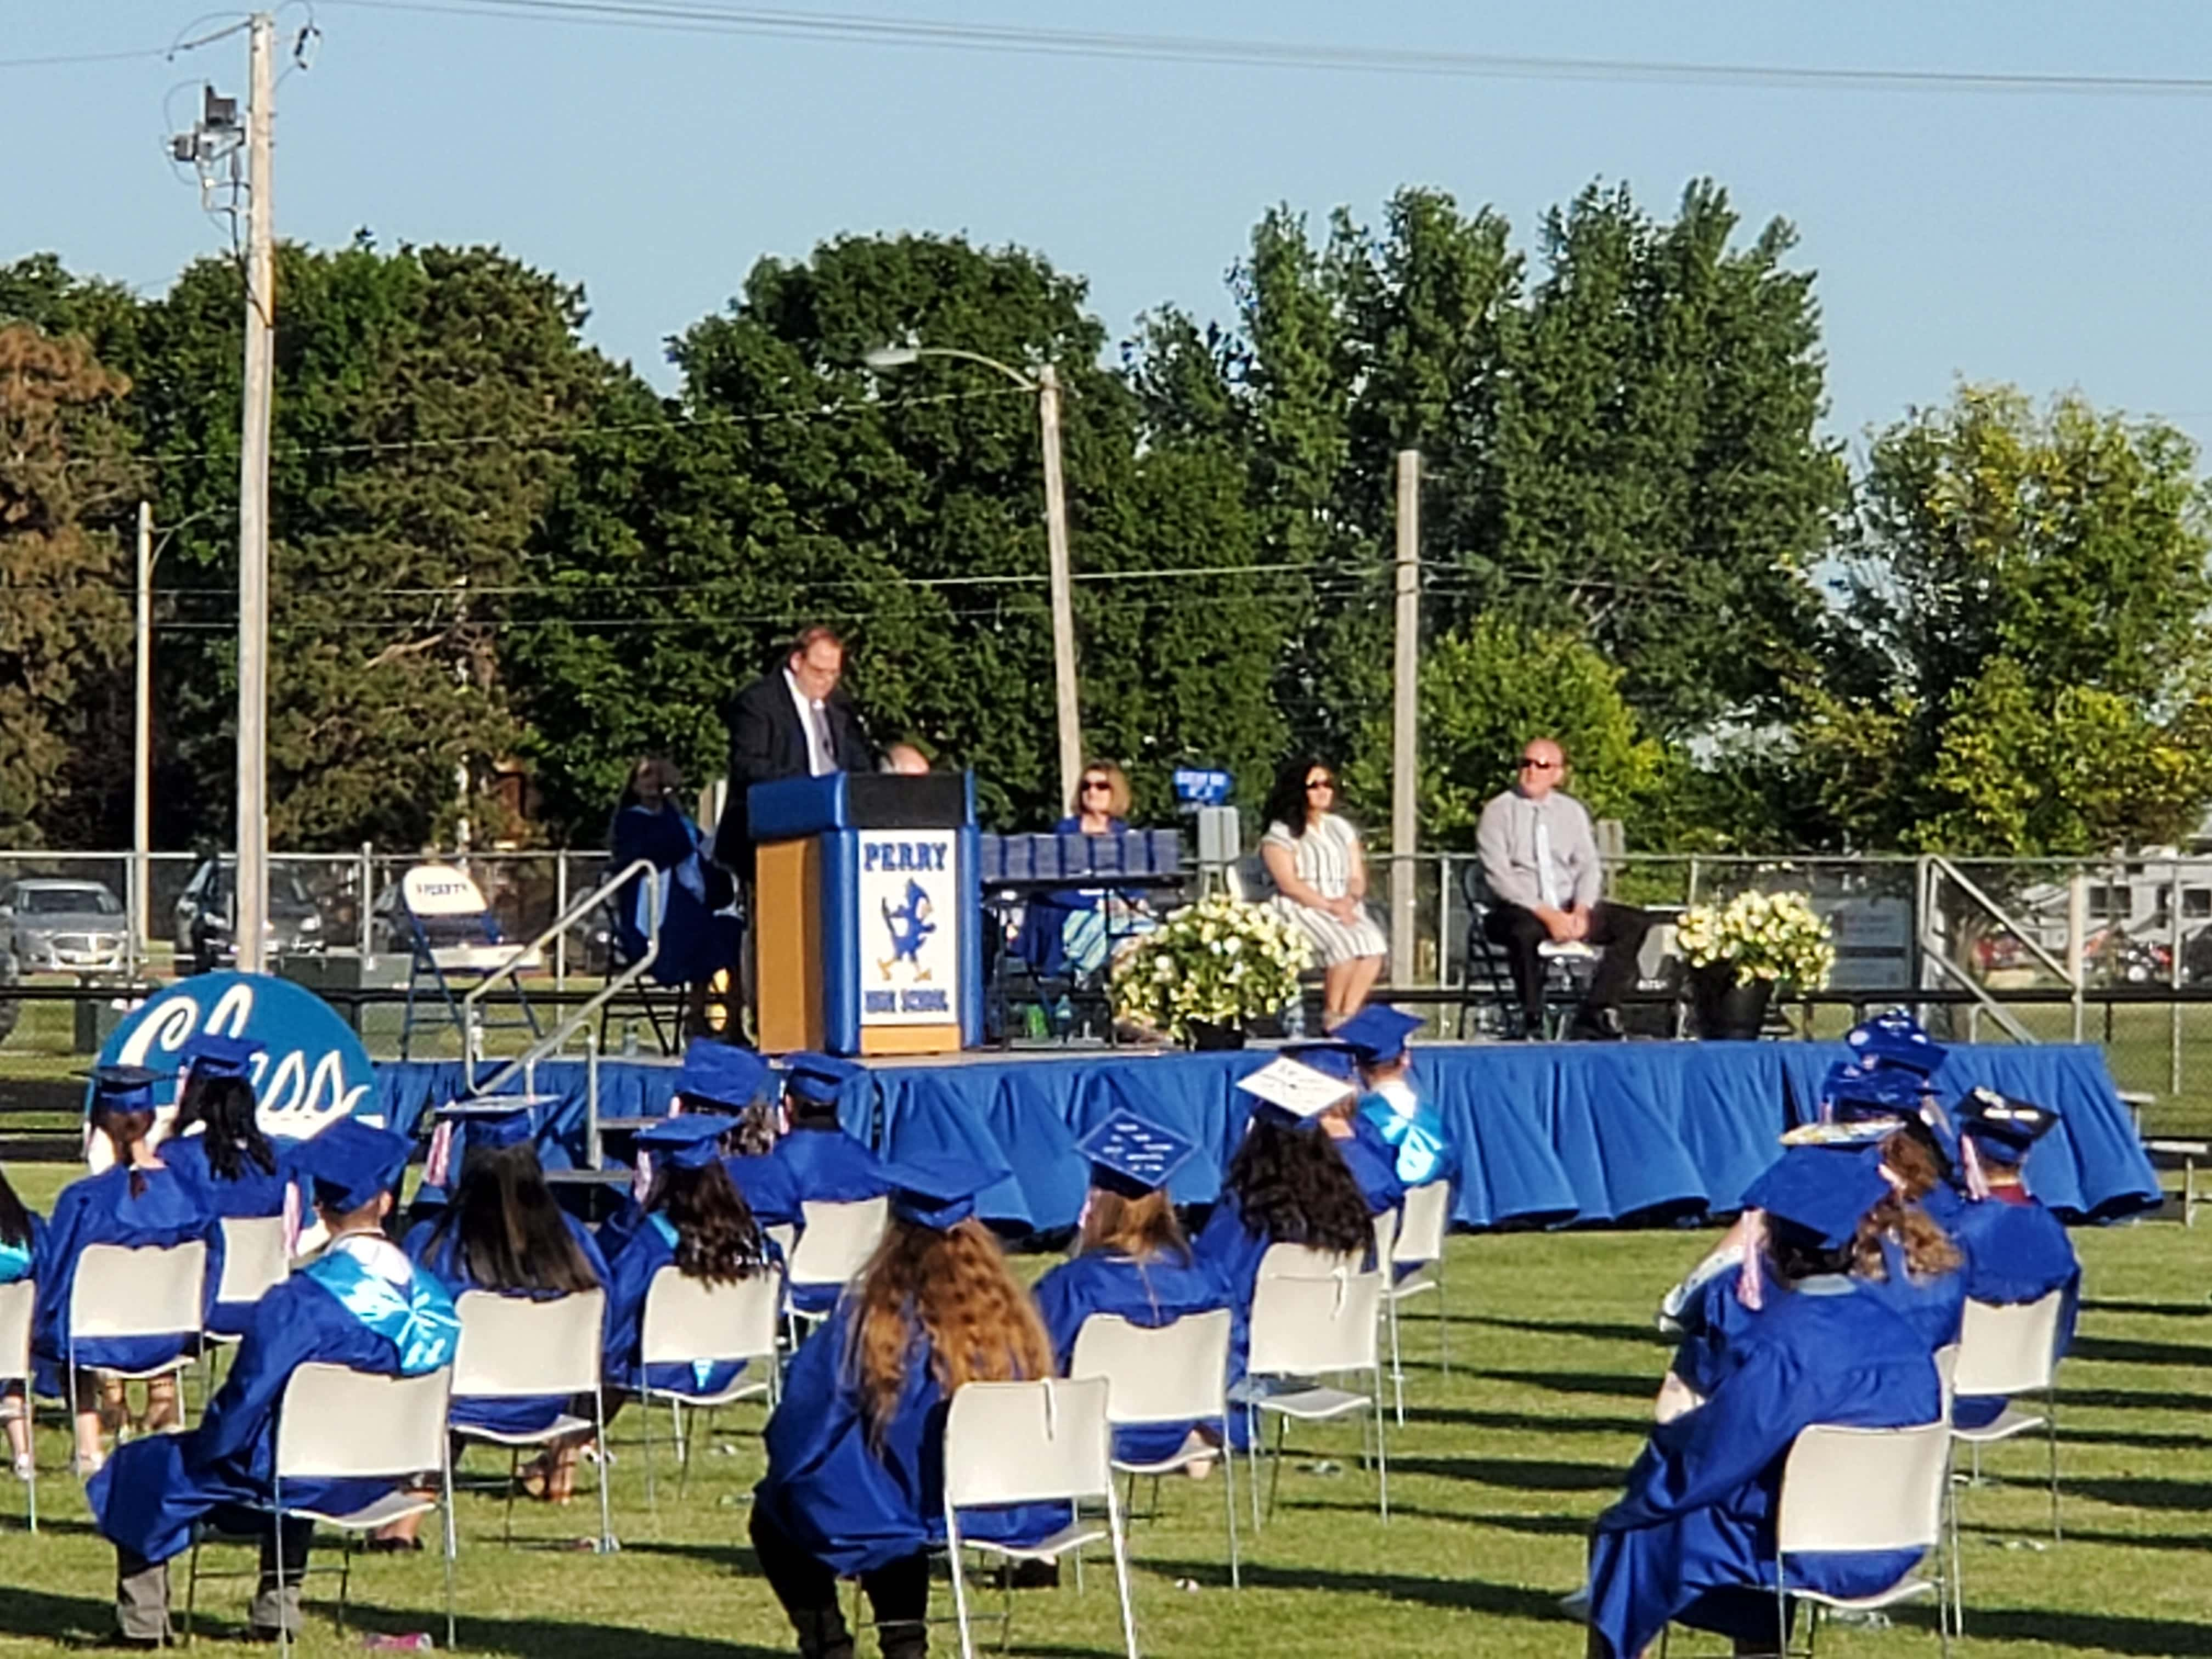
(234, 1138)
(1286, 801)
(508, 1230)
(716, 1237)
(1292, 1187)
(125, 1129)
(14, 1219)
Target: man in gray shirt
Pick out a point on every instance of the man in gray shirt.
(1541, 862)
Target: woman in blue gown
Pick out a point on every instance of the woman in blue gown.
(697, 940)
(718, 1077)
(1131, 1259)
(501, 1231)
(138, 1200)
(855, 1482)
(2017, 1251)
(1389, 1101)
(360, 1305)
(217, 1143)
(694, 1219)
(22, 1234)
(1691, 1539)
(1286, 1184)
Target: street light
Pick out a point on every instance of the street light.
(1046, 386)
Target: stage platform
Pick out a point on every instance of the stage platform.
(1546, 1133)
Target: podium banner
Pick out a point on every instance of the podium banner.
(911, 920)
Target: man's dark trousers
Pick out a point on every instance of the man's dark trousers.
(1616, 930)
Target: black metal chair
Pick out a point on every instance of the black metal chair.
(1487, 982)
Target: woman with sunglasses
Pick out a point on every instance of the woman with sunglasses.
(1313, 857)
(1077, 928)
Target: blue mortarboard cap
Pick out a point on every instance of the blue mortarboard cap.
(1850, 1136)
(938, 1189)
(2003, 1125)
(350, 1164)
(1378, 1034)
(1896, 1039)
(818, 1077)
(1134, 1155)
(209, 1055)
(1332, 1059)
(690, 1141)
(1856, 1092)
(124, 1088)
(725, 1075)
(1819, 1192)
(489, 1121)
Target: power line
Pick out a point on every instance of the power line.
(58, 59)
(694, 17)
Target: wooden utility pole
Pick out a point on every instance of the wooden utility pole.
(249, 929)
(1405, 723)
(1066, 709)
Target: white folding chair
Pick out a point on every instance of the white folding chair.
(833, 1244)
(255, 1259)
(335, 1423)
(18, 1302)
(1031, 1442)
(688, 1321)
(513, 1347)
(1173, 1373)
(1420, 1248)
(2006, 1352)
(1846, 1490)
(124, 1290)
(1313, 1315)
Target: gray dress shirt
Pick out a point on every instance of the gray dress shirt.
(1506, 838)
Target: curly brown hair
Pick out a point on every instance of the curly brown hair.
(1910, 1155)
(1144, 1228)
(952, 1290)
(1291, 1186)
(716, 1237)
(1929, 1251)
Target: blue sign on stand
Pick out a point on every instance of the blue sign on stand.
(1196, 786)
(315, 1069)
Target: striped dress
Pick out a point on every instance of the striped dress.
(1322, 858)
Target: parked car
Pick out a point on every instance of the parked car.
(55, 924)
(207, 911)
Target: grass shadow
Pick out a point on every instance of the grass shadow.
(2191, 1497)
(1531, 1526)
(1456, 1593)
(1521, 1423)
(2128, 1400)
(2152, 1309)
(1644, 1335)
(2104, 1633)
(1620, 1385)
(1516, 1474)
(2130, 1350)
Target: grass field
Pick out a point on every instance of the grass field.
(1494, 1478)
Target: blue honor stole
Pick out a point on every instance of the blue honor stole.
(15, 1261)
(417, 1318)
(1418, 1139)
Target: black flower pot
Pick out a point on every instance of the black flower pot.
(1208, 1038)
(1728, 1011)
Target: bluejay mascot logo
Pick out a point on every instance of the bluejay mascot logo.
(910, 927)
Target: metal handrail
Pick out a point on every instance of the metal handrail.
(1936, 861)
(555, 1040)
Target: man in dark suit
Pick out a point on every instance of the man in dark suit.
(793, 722)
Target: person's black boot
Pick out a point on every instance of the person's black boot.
(903, 1639)
(821, 1634)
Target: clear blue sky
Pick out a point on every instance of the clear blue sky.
(2052, 240)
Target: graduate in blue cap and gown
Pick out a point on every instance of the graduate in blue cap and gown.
(136, 1200)
(22, 1237)
(1691, 1539)
(501, 1231)
(1921, 1255)
(2016, 1250)
(361, 1304)
(1377, 1037)
(855, 1487)
(738, 1083)
(216, 1141)
(1131, 1259)
(826, 1166)
(1361, 1143)
(695, 1219)
(1285, 1184)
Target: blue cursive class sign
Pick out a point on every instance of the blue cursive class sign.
(313, 1069)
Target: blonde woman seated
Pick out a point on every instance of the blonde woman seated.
(1084, 928)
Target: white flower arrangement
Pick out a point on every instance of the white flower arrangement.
(1777, 937)
(1219, 960)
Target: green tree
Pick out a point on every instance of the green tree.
(2024, 670)
(426, 400)
(1484, 692)
(64, 477)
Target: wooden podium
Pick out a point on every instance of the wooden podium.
(867, 913)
